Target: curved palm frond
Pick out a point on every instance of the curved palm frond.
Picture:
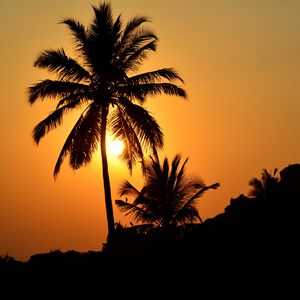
(142, 91)
(128, 189)
(145, 126)
(123, 129)
(54, 89)
(155, 76)
(188, 211)
(66, 68)
(138, 129)
(87, 137)
(81, 97)
(127, 34)
(67, 145)
(52, 121)
(138, 213)
(80, 39)
(173, 178)
(133, 58)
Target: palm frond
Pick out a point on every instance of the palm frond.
(81, 42)
(66, 68)
(154, 172)
(127, 36)
(155, 187)
(144, 125)
(126, 207)
(173, 178)
(180, 177)
(138, 214)
(53, 120)
(189, 205)
(53, 89)
(128, 189)
(203, 190)
(87, 137)
(67, 145)
(130, 28)
(81, 97)
(133, 59)
(123, 129)
(142, 91)
(117, 32)
(165, 170)
(155, 76)
(138, 129)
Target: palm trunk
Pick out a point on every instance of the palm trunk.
(105, 174)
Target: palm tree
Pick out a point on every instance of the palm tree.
(168, 197)
(266, 186)
(100, 81)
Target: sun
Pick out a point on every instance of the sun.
(116, 147)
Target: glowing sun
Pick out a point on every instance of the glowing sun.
(116, 147)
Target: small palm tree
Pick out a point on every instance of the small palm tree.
(168, 197)
(265, 186)
(100, 82)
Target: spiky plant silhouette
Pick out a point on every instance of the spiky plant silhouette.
(168, 198)
(265, 186)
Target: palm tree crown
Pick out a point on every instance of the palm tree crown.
(168, 196)
(265, 186)
(99, 81)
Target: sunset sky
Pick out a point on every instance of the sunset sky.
(240, 61)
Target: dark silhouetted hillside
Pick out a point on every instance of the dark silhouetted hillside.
(252, 247)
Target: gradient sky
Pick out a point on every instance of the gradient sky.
(241, 64)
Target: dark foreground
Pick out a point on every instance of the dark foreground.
(249, 251)
(240, 252)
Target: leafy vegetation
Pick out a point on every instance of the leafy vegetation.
(168, 198)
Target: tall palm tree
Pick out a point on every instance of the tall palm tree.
(265, 186)
(168, 198)
(100, 82)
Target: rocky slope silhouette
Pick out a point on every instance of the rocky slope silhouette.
(253, 244)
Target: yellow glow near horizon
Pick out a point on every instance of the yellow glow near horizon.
(115, 147)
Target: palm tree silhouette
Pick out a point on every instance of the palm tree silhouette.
(100, 82)
(265, 186)
(168, 197)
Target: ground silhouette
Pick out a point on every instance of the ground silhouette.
(251, 249)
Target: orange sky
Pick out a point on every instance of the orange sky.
(241, 64)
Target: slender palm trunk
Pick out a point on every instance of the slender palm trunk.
(105, 174)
